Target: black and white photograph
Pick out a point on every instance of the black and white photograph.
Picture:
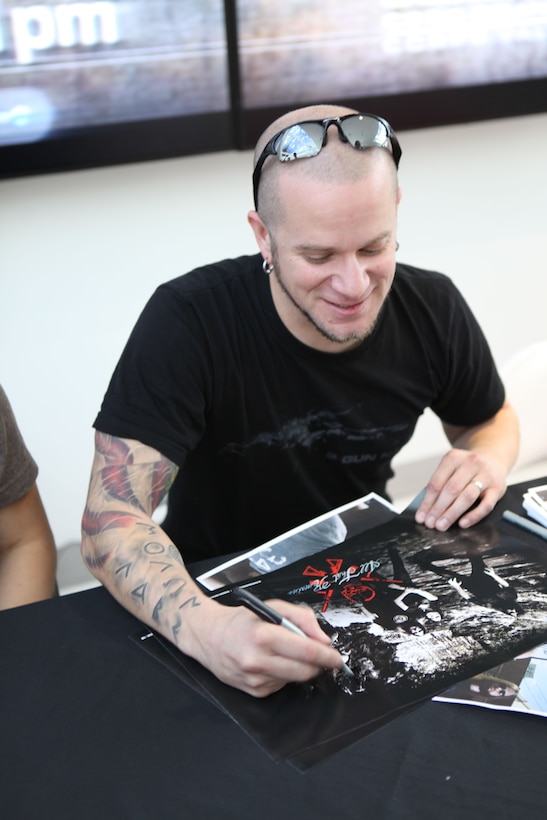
(323, 531)
(519, 685)
(412, 611)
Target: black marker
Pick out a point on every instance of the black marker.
(520, 521)
(268, 614)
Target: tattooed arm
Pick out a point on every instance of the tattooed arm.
(135, 560)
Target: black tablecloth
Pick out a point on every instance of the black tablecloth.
(92, 727)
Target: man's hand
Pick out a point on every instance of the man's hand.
(473, 473)
(257, 657)
(461, 480)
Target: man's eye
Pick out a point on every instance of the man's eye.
(372, 251)
(318, 260)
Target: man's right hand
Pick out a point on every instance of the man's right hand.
(258, 657)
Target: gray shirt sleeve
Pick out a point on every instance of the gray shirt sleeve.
(18, 470)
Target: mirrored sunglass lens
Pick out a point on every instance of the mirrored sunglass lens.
(299, 142)
(365, 132)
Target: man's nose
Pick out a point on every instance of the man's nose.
(352, 277)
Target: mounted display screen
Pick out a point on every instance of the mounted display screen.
(94, 83)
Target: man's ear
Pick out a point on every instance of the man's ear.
(399, 194)
(262, 235)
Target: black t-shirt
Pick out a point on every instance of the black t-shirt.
(268, 432)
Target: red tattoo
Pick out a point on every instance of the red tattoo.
(162, 476)
(117, 483)
(113, 449)
(94, 523)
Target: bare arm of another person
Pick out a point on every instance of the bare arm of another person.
(474, 470)
(28, 558)
(136, 561)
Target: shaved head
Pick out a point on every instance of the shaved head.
(337, 162)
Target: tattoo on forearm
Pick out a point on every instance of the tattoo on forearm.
(193, 601)
(171, 581)
(164, 564)
(154, 548)
(94, 562)
(125, 567)
(94, 523)
(116, 483)
(169, 596)
(157, 609)
(163, 475)
(136, 488)
(139, 592)
(173, 553)
(176, 628)
(151, 529)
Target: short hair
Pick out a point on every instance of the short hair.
(337, 162)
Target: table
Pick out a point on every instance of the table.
(92, 727)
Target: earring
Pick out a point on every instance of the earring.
(396, 246)
(267, 267)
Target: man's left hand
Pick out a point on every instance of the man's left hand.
(461, 480)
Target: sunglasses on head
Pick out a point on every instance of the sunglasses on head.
(306, 139)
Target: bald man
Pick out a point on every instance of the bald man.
(263, 391)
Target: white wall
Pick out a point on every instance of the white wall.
(81, 252)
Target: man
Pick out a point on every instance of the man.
(267, 390)
(28, 558)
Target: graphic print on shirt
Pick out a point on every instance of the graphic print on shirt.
(326, 431)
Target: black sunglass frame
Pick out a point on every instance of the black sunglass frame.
(271, 151)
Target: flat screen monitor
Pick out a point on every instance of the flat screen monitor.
(416, 62)
(94, 83)
(98, 82)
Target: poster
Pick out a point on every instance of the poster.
(413, 611)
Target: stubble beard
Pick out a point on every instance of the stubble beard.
(337, 338)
